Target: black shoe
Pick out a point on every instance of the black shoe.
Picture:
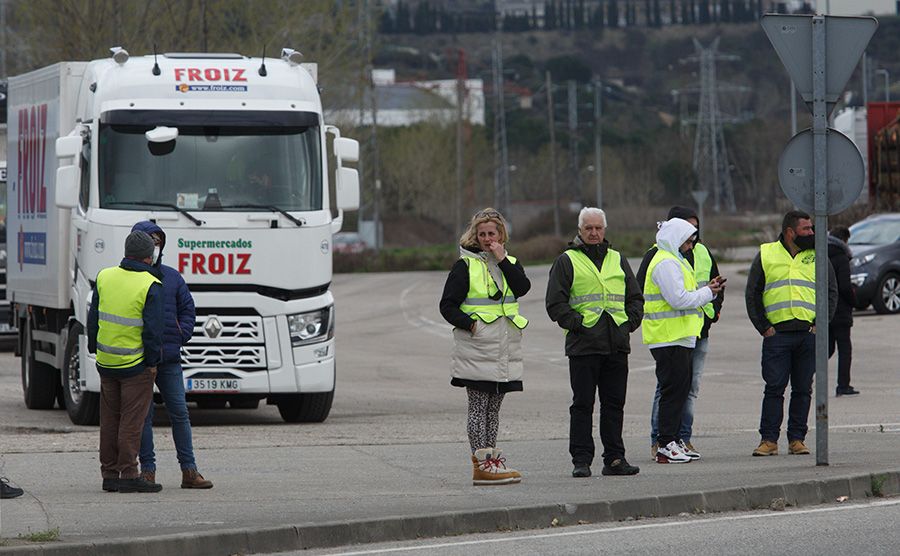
(581, 471)
(138, 484)
(620, 467)
(847, 391)
(7, 491)
(111, 485)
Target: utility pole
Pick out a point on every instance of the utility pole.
(501, 155)
(865, 80)
(553, 178)
(572, 89)
(598, 169)
(376, 173)
(793, 109)
(3, 39)
(460, 100)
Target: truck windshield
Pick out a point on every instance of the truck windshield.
(218, 160)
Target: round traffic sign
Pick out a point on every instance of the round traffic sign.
(845, 171)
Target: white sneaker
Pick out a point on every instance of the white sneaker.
(688, 450)
(671, 453)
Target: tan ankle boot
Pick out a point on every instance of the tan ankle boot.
(488, 471)
(501, 463)
(191, 478)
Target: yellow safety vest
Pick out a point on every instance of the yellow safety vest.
(479, 302)
(662, 323)
(790, 291)
(702, 271)
(123, 294)
(595, 291)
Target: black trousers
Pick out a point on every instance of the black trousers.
(839, 336)
(590, 375)
(673, 373)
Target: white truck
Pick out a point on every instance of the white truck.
(228, 154)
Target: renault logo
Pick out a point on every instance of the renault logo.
(212, 327)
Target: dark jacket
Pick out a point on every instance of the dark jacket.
(689, 257)
(178, 303)
(604, 337)
(756, 282)
(839, 255)
(153, 323)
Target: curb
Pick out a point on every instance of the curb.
(400, 528)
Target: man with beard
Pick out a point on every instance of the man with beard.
(781, 303)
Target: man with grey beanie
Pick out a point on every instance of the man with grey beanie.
(125, 326)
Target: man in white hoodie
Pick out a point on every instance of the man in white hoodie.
(673, 319)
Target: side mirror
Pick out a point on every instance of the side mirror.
(67, 178)
(68, 146)
(162, 134)
(346, 150)
(347, 188)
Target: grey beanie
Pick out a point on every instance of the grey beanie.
(139, 245)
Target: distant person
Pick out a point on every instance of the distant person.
(705, 269)
(125, 324)
(481, 300)
(179, 314)
(593, 296)
(781, 304)
(673, 321)
(839, 326)
(9, 491)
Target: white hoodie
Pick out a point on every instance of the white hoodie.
(668, 277)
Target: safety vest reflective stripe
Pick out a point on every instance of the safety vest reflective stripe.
(662, 322)
(595, 291)
(125, 321)
(478, 302)
(790, 289)
(120, 351)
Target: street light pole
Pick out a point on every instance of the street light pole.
(887, 83)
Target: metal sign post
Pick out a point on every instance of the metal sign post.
(820, 53)
(820, 179)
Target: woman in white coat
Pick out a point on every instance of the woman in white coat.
(480, 300)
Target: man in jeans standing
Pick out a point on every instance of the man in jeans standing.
(125, 331)
(178, 307)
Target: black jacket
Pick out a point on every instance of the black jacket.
(839, 255)
(604, 337)
(689, 256)
(756, 282)
(153, 323)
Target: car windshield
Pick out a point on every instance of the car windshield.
(875, 231)
(218, 161)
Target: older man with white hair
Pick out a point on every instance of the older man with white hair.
(593, 295)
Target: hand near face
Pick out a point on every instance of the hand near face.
(498, 250)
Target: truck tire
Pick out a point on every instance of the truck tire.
(39, 380)
(887, 294)
(306, 408)
(83, 407)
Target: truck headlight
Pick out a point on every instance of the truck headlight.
(858, 279)
(312, 327)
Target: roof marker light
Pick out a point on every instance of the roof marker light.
(292, 56)
(119, 54)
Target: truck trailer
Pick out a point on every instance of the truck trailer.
(229, 155)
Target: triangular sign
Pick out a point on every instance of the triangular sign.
(846, 39)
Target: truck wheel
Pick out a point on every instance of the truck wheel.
(306, 408)
(887, 294)
(83, 407)
(39, 380)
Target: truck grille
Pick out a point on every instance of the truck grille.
(226, 341)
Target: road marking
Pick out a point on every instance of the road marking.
(627, 528)
(879, 427)
(419, 321)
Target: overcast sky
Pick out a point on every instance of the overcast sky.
(858, 7)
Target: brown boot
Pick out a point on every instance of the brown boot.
(149, 476)
(191, 478)
(488, 471)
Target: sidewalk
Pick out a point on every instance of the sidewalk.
(276, 499)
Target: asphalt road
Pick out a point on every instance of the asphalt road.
(869, 528)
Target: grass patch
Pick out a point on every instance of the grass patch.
(877, 483)
(50, 535)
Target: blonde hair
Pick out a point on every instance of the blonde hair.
(469, 238)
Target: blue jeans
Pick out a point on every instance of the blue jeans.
(698, 360)
(787, 356)
(170, 381)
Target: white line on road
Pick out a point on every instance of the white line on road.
(627, 528)
(882, 427)
(421, 322)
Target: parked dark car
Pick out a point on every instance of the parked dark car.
(875, 267)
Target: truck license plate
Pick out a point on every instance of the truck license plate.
(213, 385)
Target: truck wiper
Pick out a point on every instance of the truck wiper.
(180, 210)
(273, 208)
